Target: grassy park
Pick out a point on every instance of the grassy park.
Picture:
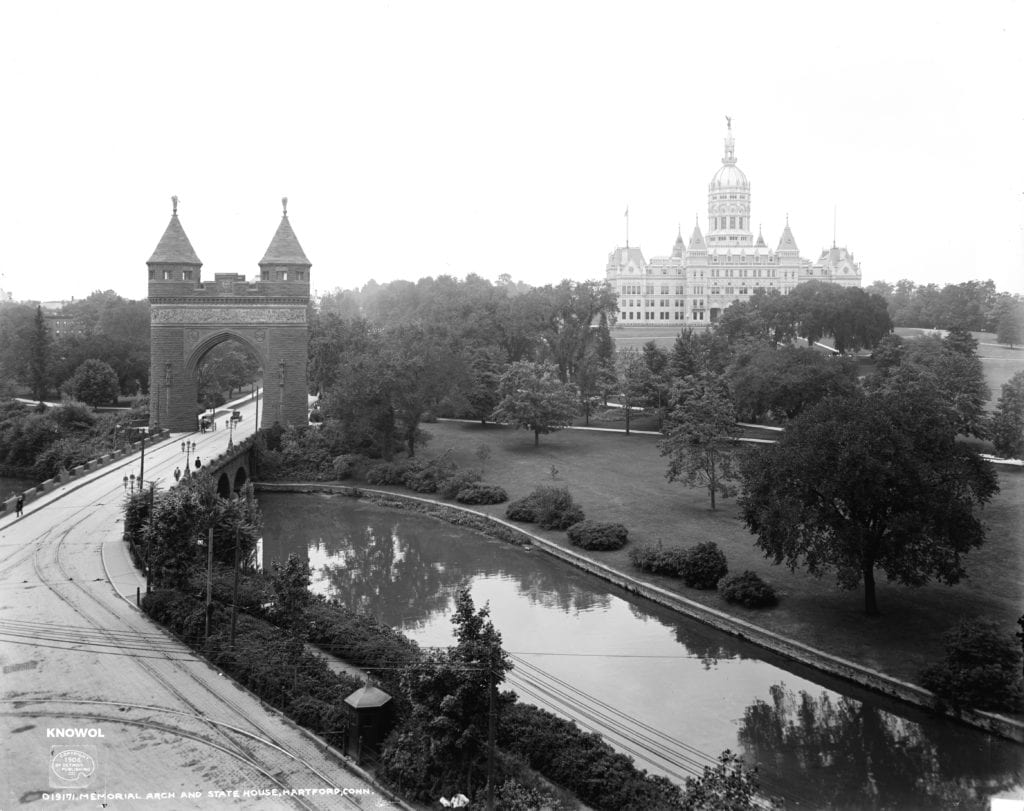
(621, 478)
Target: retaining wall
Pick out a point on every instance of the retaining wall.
(33, 493)
(503, 530)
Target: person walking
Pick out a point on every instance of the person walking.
(19, 506)
(198, 463)
(177, 474)
(125, 482)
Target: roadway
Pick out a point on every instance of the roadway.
(77, 654)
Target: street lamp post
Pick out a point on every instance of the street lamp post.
(231, 434)
(131, 479)
(187, 448)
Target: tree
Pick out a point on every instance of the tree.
(534, 398)
(868, 482)
(945, 371)
(40, 354)
(728, 786)
(700, 436)
(290, 583)
(1010, 323)
(635, 380)
(94, 382)
(442, 747)
(784, 381)
(1007, 426)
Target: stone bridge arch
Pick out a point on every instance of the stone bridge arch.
(188, 317)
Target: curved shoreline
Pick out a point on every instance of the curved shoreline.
(501, 529)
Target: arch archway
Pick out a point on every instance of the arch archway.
(188, 317)
(224, 486)
(241, 477)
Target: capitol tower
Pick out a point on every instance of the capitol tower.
(700, 278)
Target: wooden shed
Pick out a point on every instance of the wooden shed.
(370, 720)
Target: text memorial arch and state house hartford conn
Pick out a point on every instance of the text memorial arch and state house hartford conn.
(701, 278)
(188, 317)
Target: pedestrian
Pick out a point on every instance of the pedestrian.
(198, 463)
(125, 482)
(177, 474)
(20, 505)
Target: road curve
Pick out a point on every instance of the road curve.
(99, 705)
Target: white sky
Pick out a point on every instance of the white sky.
(420, 138)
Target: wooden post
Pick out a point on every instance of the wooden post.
(234, 593)
(491, 719)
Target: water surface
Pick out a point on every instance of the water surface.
(667, 690)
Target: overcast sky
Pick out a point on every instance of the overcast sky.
(425, 138)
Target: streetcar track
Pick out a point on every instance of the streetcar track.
(46, 539)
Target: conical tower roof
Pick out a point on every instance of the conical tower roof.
(284, 247)
(787, 243)
(697, 239)
(174, 247)
(760, 239)
(677, 249)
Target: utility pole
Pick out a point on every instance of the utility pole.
(142, 463)
(209, 580)
(149, 539)
(234, 592)
(491, 724)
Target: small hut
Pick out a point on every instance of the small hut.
(370, 719)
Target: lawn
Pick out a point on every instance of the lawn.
(621, 478)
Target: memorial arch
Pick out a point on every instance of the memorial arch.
(188, 317)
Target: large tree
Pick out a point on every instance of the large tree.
(634, 377)
(534, 398)
(94, 382)
(868, 482)
(1007, 425)
(442, 748)
(700, 436)
(945, 371)
(785, 381)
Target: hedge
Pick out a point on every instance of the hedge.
(598, 535)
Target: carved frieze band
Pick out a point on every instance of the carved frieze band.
(229, 315)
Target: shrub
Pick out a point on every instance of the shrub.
(386, 473)
(598, 535)
(982, 669)
(747, 589)
(581, 762)
(477, 493)
(348, 465)
(423, 476)
(449, 487)
(556, 509)
(703, 566)
(658, 559)
(522, 509)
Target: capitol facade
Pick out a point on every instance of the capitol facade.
(693, 285)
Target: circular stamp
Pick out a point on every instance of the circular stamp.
(72, 765)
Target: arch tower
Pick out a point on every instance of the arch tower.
(729, 201)
(188, 317)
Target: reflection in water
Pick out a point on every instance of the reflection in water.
(852, 755)
(581, 644)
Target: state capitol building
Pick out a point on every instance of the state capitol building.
(701, 278)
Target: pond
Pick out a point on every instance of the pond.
(667, 690)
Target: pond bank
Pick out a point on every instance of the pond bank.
(495, 527)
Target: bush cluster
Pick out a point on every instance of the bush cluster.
(349, 466)
(478, 493)
(658, 559)
(982, 669)
(550, 507)
(598, 535)
(700, 566)
(703, 566)
(424, 475)
(268, 660)
(748, 590)
(458, 481)
(386, 473)
(581, 762)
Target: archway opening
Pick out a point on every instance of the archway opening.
(241, 477)
(227, 369)
(224, 486)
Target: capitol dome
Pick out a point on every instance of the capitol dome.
(730, 176)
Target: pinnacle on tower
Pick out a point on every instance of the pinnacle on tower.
(174, 246)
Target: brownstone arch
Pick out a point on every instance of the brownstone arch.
(188, 317)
